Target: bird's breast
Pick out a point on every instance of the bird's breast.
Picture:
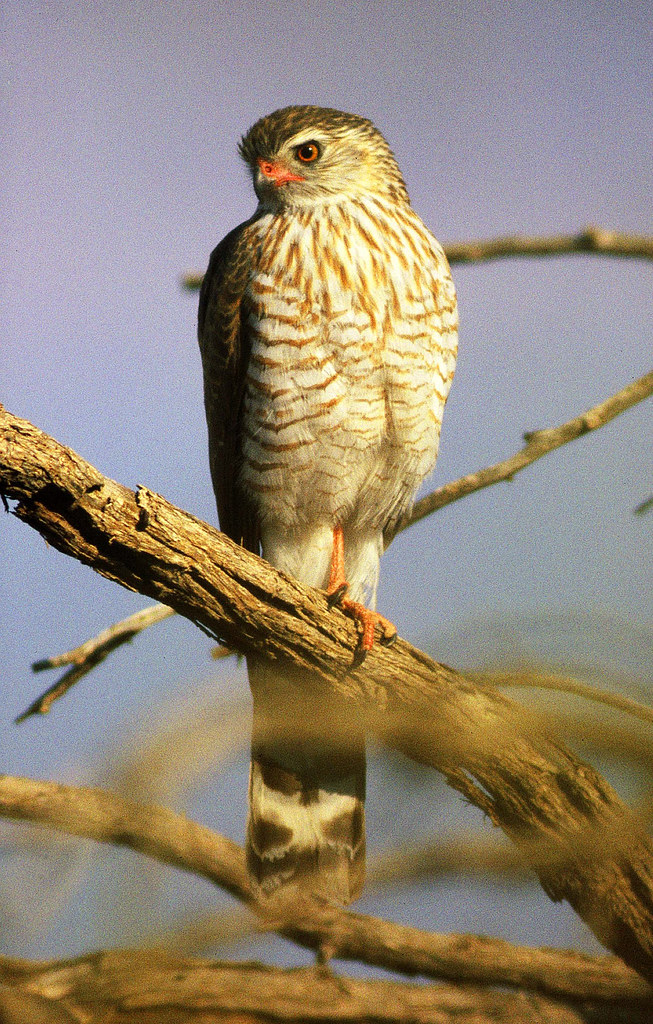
(346, 314)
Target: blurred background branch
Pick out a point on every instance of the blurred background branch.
(159, 986)
(174, 840)
(487, 748)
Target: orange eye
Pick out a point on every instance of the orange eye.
(308, 152)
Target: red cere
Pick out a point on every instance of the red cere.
(277, 173)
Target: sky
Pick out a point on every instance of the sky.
(120, 173)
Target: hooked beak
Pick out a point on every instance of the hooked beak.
(277, 173)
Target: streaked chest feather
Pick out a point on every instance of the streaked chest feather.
(373, 258)
(351, 317)
(357, 286)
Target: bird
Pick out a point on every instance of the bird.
(328, 334)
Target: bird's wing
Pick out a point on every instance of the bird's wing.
(225, 353)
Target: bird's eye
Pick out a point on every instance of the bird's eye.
(308, 152)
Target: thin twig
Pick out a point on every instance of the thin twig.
(593, 240)
(89, 654)
(93, 652)
(644, 506)
(119, 633)
(538, 443)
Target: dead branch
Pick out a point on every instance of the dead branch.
(634, 744)
(175, 840)
(466, 855)
(593, 240)
(94, 651)
(119, 633)
(89, 654)
(158, 987)
(583, 842)
(538, 443)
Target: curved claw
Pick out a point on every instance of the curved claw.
(389, 640)
(335, 597)
(369, 620)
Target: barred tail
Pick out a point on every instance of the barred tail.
(306, 825)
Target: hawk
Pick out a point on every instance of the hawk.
(328, 333)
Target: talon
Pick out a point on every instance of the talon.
(335, 597)
(389, 639)
(360, 655)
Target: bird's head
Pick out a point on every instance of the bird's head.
(301, 156)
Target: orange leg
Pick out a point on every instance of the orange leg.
(336, 593)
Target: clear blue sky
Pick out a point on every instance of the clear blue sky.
(120, 172)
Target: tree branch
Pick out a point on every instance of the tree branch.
(175, 840)
(94, 651)
(153, 985)
(593, 240)
(538, 443)
(583, 842)
(538, 680)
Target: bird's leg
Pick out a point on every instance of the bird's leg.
(337, 588)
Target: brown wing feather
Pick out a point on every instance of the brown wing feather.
(225, 353)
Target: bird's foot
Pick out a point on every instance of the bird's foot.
(336, 592)
(366, 619)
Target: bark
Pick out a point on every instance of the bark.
(153, 987)
(583, 842)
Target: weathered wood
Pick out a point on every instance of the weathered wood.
(155, 987)
(585, 845)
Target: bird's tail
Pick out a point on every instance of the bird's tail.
(306, 825)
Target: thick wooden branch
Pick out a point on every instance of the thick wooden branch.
(91, 653)
(584, 844)
(154, 986)
(174, 839)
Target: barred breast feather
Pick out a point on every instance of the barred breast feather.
(351, 318)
